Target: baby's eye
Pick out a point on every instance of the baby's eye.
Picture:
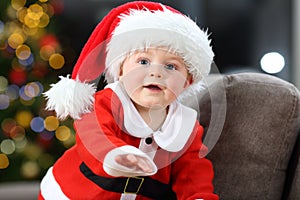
(143, 62)
(170, 67)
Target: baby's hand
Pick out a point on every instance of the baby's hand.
(135, 162)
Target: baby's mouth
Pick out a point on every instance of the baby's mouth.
(153, 87)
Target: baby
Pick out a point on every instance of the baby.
(134, 140)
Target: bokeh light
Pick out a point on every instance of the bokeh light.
(31, 20)
(21, 144)
(4, 162)
(36, 10)
(17, 133)
(56, 61)
(51, 123)
(30, 169)
(7, 146)
(46, 51)
(37, 124)
(32, 151)
(23, 95)
(44, 20)
(49, 39)
(17, 4)
(4, 101)
(3, 83)
(272, 62)
(46, 135)
(15, 40)
(30, 31)
(17, 76)
(33, 89)
(21, 13)
(12, 91)
(7, 125)
(27, 61)
(63, 133)
(23, 52)
(24, 118)
(26, 46)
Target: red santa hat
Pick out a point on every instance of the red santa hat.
(131, 26)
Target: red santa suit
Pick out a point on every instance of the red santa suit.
(88, 170)
(113, 127)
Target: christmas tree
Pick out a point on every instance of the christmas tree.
(31, 57)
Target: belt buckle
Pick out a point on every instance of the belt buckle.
(140, 179)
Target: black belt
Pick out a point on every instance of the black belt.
(133, 185)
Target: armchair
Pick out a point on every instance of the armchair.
(256, 155)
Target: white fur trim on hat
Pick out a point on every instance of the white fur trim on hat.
(70, 97)
(141, 29)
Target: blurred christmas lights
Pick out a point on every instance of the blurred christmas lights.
(32, 52)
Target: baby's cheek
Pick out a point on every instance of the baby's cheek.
(176, 86)
(132, 81)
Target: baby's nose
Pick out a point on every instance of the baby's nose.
(156, 71)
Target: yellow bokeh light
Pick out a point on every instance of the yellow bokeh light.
(34, 16)
(21, 13)
(31, 20)
(44, 21)
(46, 51)
(69, 142)
(16, 4)
(24, 118)
(36, 10)
(63, 133)
(3, 83)
(23, 52)
(30, 31)
(4, 162)
(51, 123)
(15, 40)
(43, 1)
(30, 169)
(56, 61)
(32, 151)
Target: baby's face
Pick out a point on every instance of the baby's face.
(154, 78)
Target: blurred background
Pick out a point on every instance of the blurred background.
(41, 39)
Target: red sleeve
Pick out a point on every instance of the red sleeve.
(96, 132)
(192, 176)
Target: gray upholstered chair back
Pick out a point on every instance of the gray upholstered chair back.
(259, 128)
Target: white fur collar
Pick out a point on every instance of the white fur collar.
(174, 132)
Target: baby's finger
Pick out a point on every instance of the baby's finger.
(131, 158)
(122, 160)
(144, 165)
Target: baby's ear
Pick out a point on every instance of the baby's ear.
(189, 81)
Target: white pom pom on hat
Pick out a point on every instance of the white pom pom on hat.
(131, 26)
